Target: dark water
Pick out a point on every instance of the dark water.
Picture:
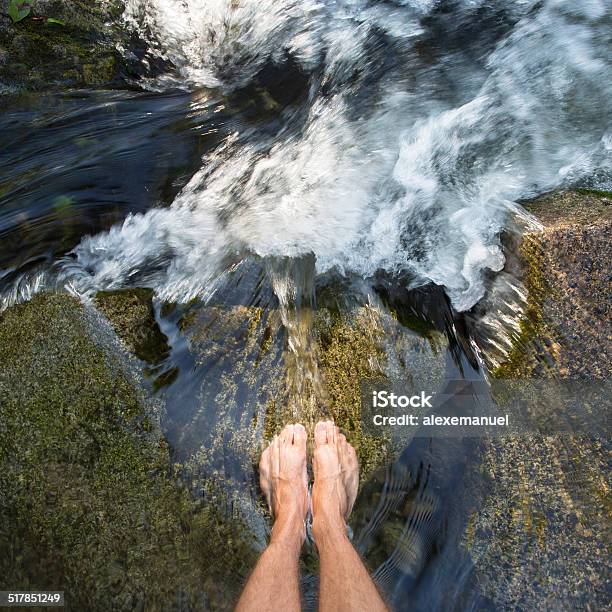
(435, 520)
(75, 163)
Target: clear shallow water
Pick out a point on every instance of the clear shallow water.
(382, 147)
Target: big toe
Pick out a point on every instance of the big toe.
(265, 465)
(350, 472)
(320, 433)
(274, 448)
(264, 460)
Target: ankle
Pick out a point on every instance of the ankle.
(289, 531)
(328, 527)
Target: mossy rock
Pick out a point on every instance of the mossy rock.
(574, 207)
(540, 504)
(565, 329)
(130, 312)
(352, 355)
(540, 522)
(250, 363)
(91, 503)
(79, 48)
(346, 351)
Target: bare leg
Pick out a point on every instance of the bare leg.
(346, 584)
(274, 583)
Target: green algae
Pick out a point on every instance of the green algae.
(544, 509)
(519, 361)
(130, 312)
(539, 514)
(100, 72)
(566, 279)
(351, 355)
(81, 51)
(596, 192)
(90, 502)
(346, 351)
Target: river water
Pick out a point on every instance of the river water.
(302, 158)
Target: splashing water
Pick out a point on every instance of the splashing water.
(293, 284)
(407, 151)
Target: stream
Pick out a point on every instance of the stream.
(322, 176)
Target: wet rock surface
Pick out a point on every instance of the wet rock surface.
(541, 521)
(103, 503)
(91, 503)
(541, 513)
(566, 329)
(240, 394)
(130, 312)
(249, 379)
(61, 43)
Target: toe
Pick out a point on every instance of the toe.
(286, 436)
(264, 474)
(300, 436)
(320, 433)
(342, 444)
(330, 431)
(264, 460)
(351, 456)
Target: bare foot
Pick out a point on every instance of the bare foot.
(284, 481)
(336, 478)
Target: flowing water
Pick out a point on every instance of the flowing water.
(302, 161)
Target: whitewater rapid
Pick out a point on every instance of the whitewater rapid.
(417, 133)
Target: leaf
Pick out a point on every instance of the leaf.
(56, 21)
(18, 10)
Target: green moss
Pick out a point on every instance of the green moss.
(347, 352)
(566, 285)
(595, 192)
(90, 500)
(100, 72)
(532, 326)
(130, 312)
(80, 52)
(351, 354)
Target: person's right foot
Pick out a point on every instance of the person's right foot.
(336, 478)
(284, 480)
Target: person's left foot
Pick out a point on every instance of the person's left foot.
(284, 478)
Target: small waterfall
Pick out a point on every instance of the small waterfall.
(293, 283)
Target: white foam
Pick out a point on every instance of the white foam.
(411, 183)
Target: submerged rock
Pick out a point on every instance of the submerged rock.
(91, 503)
(541, 523)
(253, 375)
